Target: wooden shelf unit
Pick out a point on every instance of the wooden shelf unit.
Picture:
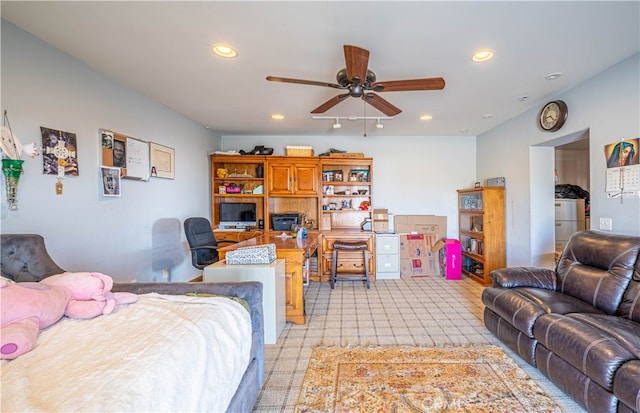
(300, 184)
(241, 171)
(339, 176)
(482, 233)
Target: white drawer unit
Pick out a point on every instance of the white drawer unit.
(570, 218)
(272, 277)
(387, 256)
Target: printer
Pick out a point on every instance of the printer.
(284, 222)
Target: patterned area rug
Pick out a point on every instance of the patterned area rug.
(418, 379)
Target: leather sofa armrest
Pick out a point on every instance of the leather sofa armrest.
(524, 277)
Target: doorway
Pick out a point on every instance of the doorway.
(542, 197)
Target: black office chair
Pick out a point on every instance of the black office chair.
(202, 242)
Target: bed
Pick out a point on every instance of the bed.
(186, 346)
(167, 352)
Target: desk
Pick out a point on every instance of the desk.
(295, 253)
(273, 290)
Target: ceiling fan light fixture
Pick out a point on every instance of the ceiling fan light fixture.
(482, 55)
(426, 117)
(337, 125)
(379, 124)
(223, 50)
(277, 116)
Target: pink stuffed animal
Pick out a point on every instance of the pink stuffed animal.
(28, 307)
(91, 293)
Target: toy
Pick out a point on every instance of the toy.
(30, 306)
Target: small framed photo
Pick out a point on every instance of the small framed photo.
(359, 175)
(110, 178)
(162, 161)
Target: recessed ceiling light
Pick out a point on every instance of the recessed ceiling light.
(224, 51)
(553, 76)
(426, 117)
(482, 55)
(277, 116)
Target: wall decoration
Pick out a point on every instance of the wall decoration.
(12, 151)
(59, 152)
(129, 154)
(162, 160)
(623, 153)
(623, 169)
(110, 178)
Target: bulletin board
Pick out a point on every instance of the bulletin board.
(129, 154)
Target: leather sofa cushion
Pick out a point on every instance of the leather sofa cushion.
(597, 267)
(626, 332)
(522, 306)
(514, 339)
(630, 305)
(595, 344)
(581, 388)
(626, 386)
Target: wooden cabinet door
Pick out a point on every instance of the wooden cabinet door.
(288, 179)
(280, 179)
(306, 180)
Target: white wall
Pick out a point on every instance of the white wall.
(412, 175)
(608, 108)
(84, 231)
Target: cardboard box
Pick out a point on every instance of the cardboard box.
(421, 224)
(381, 220)
(416, 257)
(450, 255)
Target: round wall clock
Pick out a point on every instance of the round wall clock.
(553, 115)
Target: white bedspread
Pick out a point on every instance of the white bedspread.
(163, 354)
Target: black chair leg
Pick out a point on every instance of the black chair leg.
(334, 268)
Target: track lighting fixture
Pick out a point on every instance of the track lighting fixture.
(338, 125)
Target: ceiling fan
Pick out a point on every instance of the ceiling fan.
(360, 82)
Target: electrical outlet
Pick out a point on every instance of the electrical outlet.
(606, 224)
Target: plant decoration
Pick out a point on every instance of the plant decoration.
(12, 151)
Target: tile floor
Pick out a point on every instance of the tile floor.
(426, 311)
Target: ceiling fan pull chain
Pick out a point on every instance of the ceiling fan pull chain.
(364, 116)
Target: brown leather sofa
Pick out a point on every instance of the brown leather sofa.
(578, 324)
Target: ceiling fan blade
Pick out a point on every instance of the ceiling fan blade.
(303, 82)
(381, 104)
(357, 60)
(330, 103)
(433, 83)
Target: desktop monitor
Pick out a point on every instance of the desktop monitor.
(237, 214)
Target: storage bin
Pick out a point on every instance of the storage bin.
(299, 150)
(263, 254)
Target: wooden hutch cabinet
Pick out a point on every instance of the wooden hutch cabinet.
(482, 233)
(293, 186)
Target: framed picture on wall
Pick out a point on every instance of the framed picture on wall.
(162, 161)
(110, 178)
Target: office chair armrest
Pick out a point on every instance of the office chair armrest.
(205, 247)
(232, 241)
